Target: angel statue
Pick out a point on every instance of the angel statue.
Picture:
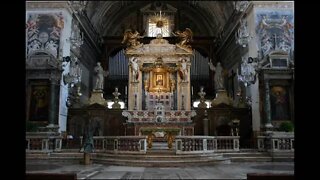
(100, 76)
(185, 37)
(131, 38)
(135, 68)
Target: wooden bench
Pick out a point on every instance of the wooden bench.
(258, 176)
(51, 176)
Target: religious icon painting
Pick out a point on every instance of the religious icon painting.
(279, 100)
(39, 103)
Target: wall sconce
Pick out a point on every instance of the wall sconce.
(249, 68)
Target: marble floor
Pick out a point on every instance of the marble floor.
(234, 170)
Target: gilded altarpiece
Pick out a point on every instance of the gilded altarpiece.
(162, 81)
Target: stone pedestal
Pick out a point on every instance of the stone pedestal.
(97, 98)
(87, 158)
(116, 105)
(221, 98)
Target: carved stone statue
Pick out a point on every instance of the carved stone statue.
(116, 95)
(185, 37)
(131, 38)
(218, 76)
(135, 69)
(184, 69)
(100, 74)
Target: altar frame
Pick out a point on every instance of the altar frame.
(159, 80)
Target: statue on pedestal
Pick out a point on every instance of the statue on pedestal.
(221, 93)
(100, 74)
(184, 70)
(135, 69)
(218, 76)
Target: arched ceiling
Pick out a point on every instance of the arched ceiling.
(209, 16)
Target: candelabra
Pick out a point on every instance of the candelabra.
(249, 69)
(73, 80)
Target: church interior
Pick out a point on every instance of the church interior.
(115, 81)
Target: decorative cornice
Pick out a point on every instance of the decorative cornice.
(46, 4)
(273, 4)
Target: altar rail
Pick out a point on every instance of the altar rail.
(43, 142)
(276, 142)
(179, 116)
(120, 144)
(206, 144)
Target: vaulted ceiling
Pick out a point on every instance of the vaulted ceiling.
(209, 17)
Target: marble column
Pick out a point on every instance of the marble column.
(53, 119)
(268, 124)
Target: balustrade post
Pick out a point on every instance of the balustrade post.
(236, 144)
(58, 144)
(292, 144)
(45, 145)
(204, 144)
(28, 146)
(115, 145)
(260, 143)
(215, 144)
(275, 144)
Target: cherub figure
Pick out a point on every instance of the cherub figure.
(185, 37)
(131, 38)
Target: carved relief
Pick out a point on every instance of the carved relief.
(43, 32)
(275, 30)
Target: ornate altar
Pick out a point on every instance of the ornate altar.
(160, 70)
(159, 92)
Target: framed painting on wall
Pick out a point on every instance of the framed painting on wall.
(279, 100)
(39, 102)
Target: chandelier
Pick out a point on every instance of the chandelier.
(242, 35)
(76, 38)
(248, 71)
